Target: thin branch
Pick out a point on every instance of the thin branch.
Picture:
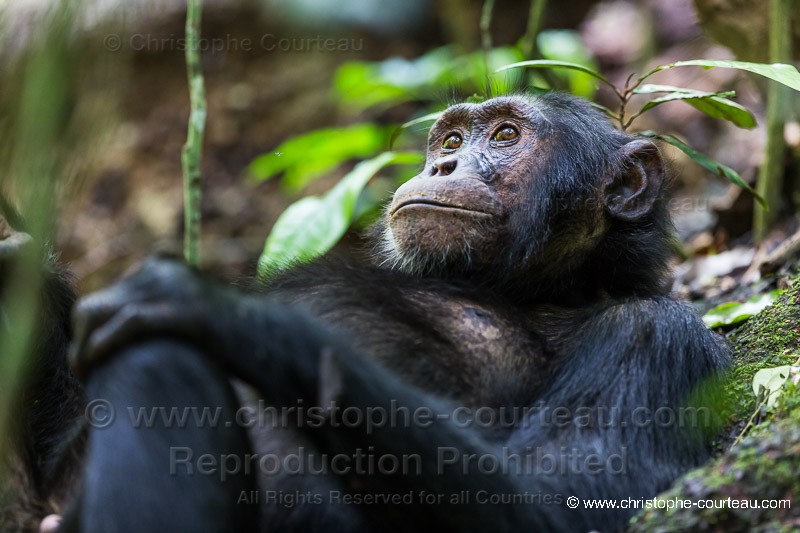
(485, 25)
(528, 44)
(535, 17)
(486, 36)
(193, 149)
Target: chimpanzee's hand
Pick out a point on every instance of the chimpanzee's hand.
(163, 298)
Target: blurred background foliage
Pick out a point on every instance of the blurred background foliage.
(300, 92)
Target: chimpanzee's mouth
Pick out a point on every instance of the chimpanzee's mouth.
(428, 203)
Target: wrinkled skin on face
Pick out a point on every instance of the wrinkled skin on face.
(455, 210)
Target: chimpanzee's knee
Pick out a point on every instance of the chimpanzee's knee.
(165, 452)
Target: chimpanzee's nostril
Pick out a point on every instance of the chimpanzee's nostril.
(446, 166)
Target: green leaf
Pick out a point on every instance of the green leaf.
(430, 117)
(535, 89)
(706, 162)
(711, 104)
(549, 63)
(733, 313)
(772, 380)
(649, 88)
(360, 85)
(311, 226)
(306, 157)
(475, 99)
(568, 46)
(604, 109)
(718, 107)
(780, 72)
(470, 71)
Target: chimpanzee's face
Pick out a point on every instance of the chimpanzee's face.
(481, 158)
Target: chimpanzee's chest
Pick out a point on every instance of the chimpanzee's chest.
(493, 355)
(452, 345)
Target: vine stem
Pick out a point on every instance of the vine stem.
(770, 176)
(535, 18)
(191, 158)
(625, 97)
(486, 37)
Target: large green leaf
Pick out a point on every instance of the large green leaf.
(649, 88)
(306, 157)
(549, 63)
(733, 313)
(780, 72)
(568, 46)
(311, 226)
(362, 85)
(719, 107)
(711, 104)
(706, 162)
(430, 117)
(469, 71)
(604, 109)
(772, 381)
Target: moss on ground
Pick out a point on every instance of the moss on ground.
(769, 339)
(765, 465)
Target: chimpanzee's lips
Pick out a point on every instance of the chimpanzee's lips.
(423, 202)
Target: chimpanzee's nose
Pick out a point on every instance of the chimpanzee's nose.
(445, 165)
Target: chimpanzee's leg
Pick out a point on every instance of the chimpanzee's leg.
(155, 410)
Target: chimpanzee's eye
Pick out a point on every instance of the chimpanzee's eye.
(452, 142)
(505, 133)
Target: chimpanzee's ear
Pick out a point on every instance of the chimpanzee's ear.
(632, 188)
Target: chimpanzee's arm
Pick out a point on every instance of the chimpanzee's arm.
(287, 357)
(638, 394)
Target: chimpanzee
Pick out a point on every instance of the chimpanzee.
(509, 354)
